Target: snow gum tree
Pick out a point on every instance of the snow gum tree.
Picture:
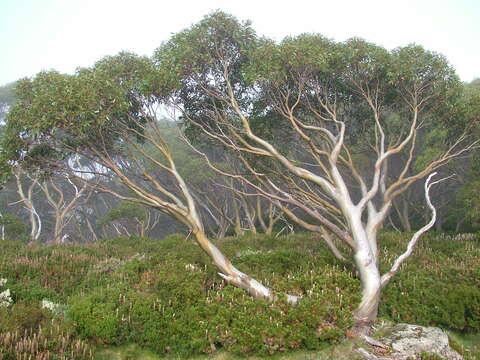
(106, 116)
(329, 117)
(316, 126)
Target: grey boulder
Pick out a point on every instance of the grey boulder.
(409, 341)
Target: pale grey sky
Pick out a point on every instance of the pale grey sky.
(39, 35)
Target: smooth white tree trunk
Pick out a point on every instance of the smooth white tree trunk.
(370, 279)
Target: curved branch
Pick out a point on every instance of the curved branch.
(385, 279)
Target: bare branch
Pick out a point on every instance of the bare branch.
(413, 241)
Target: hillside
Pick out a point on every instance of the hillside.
(164, 296)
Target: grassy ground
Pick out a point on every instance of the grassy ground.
(469, 343)
(343, 351)
(466, 344)
(125, 352)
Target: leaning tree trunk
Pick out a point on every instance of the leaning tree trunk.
(234, 276)
(186, 213)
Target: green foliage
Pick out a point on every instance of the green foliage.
(259, 69)
(434, 141)
(164, 295)
(467, 345)
(445, 299)
(26, 331)
(175, 308)
(172, 240)
(125, 210)
(60, 114)
(23, 316)
(191, 50)
(468, 199)
(54, 273)
(94, 316)
(186, 160)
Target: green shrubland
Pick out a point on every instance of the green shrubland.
(163, 295)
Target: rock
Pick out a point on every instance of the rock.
(368, 356)
(408, 341)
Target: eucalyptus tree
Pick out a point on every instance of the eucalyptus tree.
(222, 202)
(128, 218)
(335, 103)
(6, 100)
(63, 205)
(463, 213)
(107, 115)
(26, 195)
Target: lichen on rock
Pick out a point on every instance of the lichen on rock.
(409, 341)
